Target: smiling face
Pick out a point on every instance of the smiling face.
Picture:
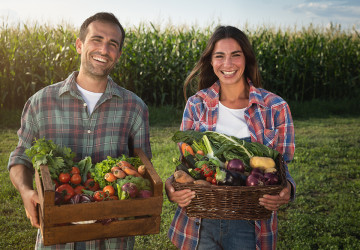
(100, 50)
(228, 61)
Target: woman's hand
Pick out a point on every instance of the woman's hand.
(182, 198)
(273, 202)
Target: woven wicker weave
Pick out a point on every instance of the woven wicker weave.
(232, 202)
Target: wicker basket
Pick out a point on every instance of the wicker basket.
(232, 202)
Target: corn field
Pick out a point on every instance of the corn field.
(299, 65)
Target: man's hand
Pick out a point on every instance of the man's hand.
(273, 202)
(22, 179)
(31, 199)
(182, 197)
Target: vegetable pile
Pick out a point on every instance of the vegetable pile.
(213, 158)
(82, 182)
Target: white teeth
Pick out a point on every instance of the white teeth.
(99, 59)
(228, 72)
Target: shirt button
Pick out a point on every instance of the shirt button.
(89, 131)
(197, 223)
(85, 104)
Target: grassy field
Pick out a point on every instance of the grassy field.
(326, 169)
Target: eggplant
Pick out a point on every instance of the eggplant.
(230, 178)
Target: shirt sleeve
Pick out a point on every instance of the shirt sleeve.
(27, 133)
(140, 132)
(286, 141)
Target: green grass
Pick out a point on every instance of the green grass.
(326, 168)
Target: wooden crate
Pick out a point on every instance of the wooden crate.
(55, 219)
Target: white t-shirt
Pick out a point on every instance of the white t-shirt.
(232, 122)
(91, 98)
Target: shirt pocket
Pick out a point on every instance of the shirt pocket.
(270, 137)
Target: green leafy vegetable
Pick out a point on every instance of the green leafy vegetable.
(85, 166)
(46, 152)
(140, 182)
(226, 147)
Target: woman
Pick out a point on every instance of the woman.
(230, 100)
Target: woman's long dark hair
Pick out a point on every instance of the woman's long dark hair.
(203, 69)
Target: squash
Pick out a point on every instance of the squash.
(262, 162)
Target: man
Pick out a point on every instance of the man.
(87, 112)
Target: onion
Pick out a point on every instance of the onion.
(271, 179)
(254, 180)
(256, 171)
(236, 165)
(145, 194)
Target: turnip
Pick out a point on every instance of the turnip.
(130, 189)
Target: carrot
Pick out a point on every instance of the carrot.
(141, 169)
(123, 164)
(186, 148)
(130, 171)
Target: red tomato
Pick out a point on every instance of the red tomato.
(78, 189)
(75, 179)
(92, 185)
(99, 195)
(66, 190)
(75, 170)
(64, 177)
(214, 181)
(113, 197)
(209, 179)
(56, 183)
(110, 190)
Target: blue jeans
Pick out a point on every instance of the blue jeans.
(227, 234)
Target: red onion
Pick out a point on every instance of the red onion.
(271, 179)
(254, 180)
(236, 165)
(145, 194)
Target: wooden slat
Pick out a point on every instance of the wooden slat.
(40, 190)
(49, 192)
(72, 233)
(103, 210)
(154, 177)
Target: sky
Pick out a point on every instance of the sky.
(198, 13)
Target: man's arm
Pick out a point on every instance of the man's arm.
(22, 179)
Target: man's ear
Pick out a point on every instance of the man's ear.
(78, 45)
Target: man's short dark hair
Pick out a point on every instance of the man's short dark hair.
(102, 17)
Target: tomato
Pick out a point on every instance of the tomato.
(110, 177)
(91, 184)
(64, 177)
(113, 197)
(213, 181)
(110, 190)
(75, 179)
(56, 183)
(78, 189)
(207, 172)
(66, 190)
(100, 195)
(75, 170)
(209, 179)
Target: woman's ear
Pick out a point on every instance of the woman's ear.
(78, 45)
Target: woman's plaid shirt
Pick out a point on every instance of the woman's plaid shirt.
(270, 123)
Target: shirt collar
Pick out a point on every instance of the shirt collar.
(212, 94)
(70, 86)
